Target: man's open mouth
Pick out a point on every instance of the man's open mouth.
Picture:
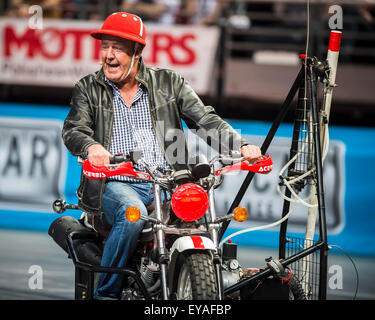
(113, 65)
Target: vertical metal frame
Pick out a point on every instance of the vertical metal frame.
(321, 245)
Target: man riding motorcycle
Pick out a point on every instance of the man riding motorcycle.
(124, 106)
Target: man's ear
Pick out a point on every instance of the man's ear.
(138, 48)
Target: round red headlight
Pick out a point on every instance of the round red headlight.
(190, 202)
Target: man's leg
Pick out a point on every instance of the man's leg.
(122, 240)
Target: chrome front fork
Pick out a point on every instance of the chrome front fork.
(212, 211)
(215, 239)
(163, 252)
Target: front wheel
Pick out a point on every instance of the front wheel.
(195, 277)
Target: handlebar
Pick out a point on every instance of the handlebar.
(263, 166)
(101, 172)
(118, 159)
(123, 165)
(133, 156)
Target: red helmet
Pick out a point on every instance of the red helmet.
(124, 25)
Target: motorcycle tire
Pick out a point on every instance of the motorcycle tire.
(296, 290)
(195, 279)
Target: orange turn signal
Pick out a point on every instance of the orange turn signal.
(132, 214)
(240, 214)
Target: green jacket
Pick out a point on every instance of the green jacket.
(171, 99)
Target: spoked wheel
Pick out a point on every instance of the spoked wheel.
(196, 279)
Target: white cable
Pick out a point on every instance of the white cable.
(302, 176)
(260, 227)
(298, 199)
(288, 183)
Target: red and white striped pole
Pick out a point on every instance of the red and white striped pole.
(329, 84)
(332, 59)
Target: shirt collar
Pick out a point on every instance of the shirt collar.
(113, 85)
(116, 91)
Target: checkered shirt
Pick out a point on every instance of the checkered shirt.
(133, 130)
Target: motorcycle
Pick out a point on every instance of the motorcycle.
(178, 254)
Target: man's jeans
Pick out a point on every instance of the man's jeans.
(122, 240)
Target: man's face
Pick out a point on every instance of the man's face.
(116, 54)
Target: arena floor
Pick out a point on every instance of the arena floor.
(21, 251)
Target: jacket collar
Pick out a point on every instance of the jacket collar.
(142, 71)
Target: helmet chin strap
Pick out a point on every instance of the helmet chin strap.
(133, 58)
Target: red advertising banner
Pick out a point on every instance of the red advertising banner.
(63, 51)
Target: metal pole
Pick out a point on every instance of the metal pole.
(319, 187)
